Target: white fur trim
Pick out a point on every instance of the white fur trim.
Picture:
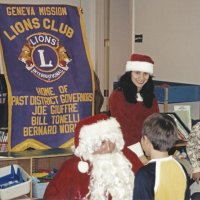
(139, 97)
(91, 137)
(83, 167)
(139, 66)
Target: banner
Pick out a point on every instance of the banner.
(48, 72)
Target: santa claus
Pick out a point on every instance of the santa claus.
(100, 168)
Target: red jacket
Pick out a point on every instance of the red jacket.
(130, 115)
(70, 184)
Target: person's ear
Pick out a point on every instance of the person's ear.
(145, 145)
(145, 139)
(148, 142)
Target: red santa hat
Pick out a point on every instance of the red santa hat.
(91, 131)
(141, 63)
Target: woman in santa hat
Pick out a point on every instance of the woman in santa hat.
(133, 100)
(100, 169)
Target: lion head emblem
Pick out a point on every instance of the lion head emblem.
(63, 57)
(25, 56)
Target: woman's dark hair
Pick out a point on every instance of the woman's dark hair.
(130, 90)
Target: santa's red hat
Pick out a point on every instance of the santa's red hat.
(85, 122)
(139, 62)
(91, 131)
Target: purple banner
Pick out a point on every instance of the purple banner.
(48, 73)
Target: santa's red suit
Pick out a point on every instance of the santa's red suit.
(73, 181)
(71, 184)
(130, 115)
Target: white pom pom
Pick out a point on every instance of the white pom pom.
(83, 167)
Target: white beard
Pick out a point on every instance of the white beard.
(111, 175)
